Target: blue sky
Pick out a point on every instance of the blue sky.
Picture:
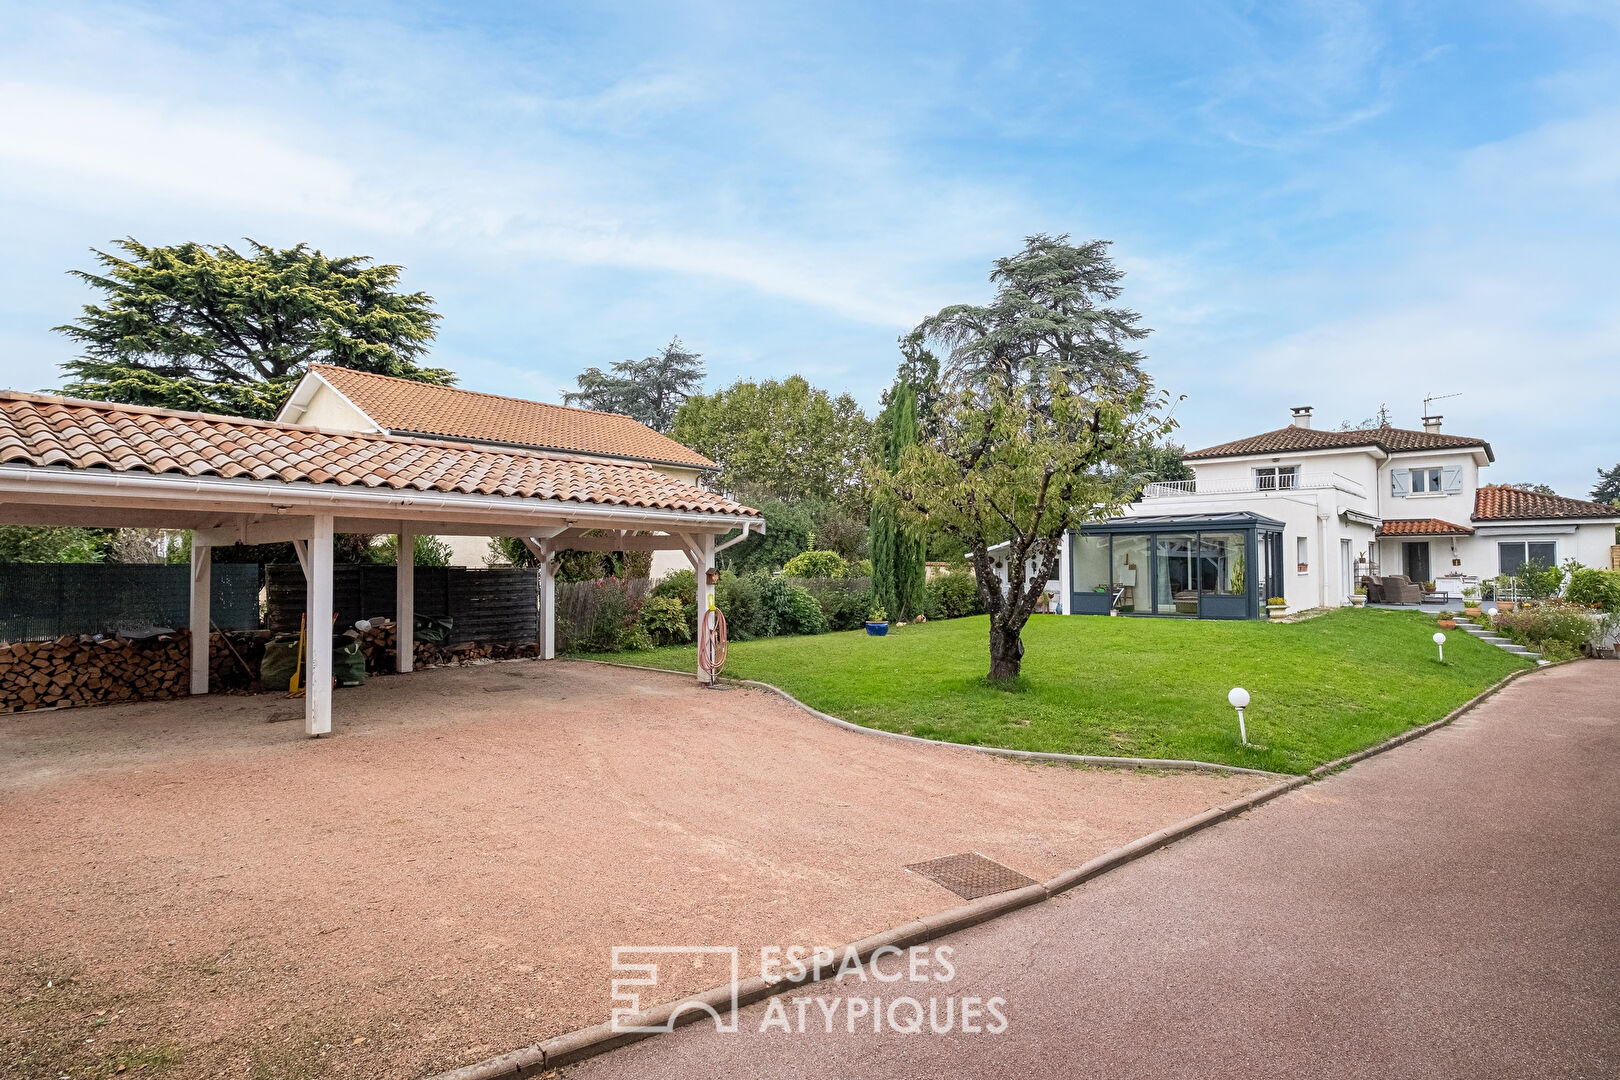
(1335, 204)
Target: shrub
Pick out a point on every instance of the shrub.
(663, 620)
(792, 609)
(741, 598)
(953, 595)
(817, 564)
(844, 601)
(682, 585)
(594, 616)
(1595, 588)
(1554, 623)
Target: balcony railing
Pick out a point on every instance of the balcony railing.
(1240, 486)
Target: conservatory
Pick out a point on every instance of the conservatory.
(1206, 566)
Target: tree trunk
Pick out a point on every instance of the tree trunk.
(1006, 653)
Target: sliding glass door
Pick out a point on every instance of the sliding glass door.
(1175, 582)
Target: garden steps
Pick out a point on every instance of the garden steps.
(1491, 638)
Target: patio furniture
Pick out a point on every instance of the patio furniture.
(1399, 589)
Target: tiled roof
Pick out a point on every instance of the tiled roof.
(53, 431)
(1390, 440)
(406, 406)
(1516, 504)
(1423, 527)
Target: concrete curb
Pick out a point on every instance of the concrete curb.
(588, 1042)
(1171, 764)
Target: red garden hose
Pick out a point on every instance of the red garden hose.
(711, 643)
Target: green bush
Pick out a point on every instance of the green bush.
(1595, 588)
(741, 599)
(792, 609)
(1554, 623)
(844, 601)
(596, 616)
(663, 619)
(952, 596)
(816, 564)
(682, 585)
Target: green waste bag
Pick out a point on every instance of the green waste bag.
(348, 662)
(280, 660)
(433, 629)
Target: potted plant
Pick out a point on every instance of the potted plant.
(877, 623)
(1428, 588)
(1446, 621)
(1359, 597)
(1471, 601)
(1276, 607)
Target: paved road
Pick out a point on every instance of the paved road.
(1450, 909)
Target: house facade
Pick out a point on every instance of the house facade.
(342, 399)
(1305, 514)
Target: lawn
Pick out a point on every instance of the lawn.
(1156, 688)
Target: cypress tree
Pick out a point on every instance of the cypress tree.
(897, 554)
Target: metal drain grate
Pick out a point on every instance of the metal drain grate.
(970, 875)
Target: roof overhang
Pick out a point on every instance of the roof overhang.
(1285, 455)
(265, 511)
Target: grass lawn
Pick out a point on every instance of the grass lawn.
(1321, 688)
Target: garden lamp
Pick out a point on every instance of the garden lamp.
(1440, 641)
(1239, 698)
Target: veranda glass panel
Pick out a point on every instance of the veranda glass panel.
(1130, 571)
(1175, 589)
(1089, 573)
(1220, 564)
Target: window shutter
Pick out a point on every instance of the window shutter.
(1453, 479)
(1398, 479)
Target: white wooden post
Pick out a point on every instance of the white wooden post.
(1065, 567)
(318, 629)
(548, 602)
(702, 563)
(201, 584)
(405, 604)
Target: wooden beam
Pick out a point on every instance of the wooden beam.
(201, 618)
(548, 599)
(265, 530)
(405, 604)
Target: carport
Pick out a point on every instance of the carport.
(231, 480)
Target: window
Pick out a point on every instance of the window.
(1302, 548)
(1274, 477)
(1512, 555)
(1426, 481)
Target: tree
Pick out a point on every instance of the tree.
(1608, 486)
(1155, 463)
(789, 530)
(52, 544)
(1539, 489)
(785, 438)
(1044, 403)
(208, 328)
(651, 389)
(573, 565)
(425, 551)
(898, 553)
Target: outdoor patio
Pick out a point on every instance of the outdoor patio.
(195, 884)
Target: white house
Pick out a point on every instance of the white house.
(342, 399)
(1304, 514)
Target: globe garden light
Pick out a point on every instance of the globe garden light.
(1440, 641)
(1239, 699)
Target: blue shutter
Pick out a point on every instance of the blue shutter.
(1398, 479)
(1452, 478)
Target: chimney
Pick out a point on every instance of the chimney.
(1302, 416)
(1431, 424)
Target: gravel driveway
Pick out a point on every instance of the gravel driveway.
(195, 887)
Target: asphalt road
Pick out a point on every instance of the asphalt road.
(1448, 909)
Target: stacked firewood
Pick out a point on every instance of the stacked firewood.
(378, 645)
(85, 670)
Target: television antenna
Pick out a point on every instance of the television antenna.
(1429, 400)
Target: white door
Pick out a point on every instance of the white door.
(1346, 569)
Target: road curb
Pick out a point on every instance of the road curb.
(588, 1042)
(1170, 764)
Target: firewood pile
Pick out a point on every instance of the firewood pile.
(84, 670)
(377, 644)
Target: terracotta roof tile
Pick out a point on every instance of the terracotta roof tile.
(406, 406)
(1390, 440)
(41, 430)
(1515, 504)
(1423, 527)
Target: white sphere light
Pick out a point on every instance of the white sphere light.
(1439, 638)
(1239, 698)
(1491, 611)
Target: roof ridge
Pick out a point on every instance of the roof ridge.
(482, 393)
(443, 442)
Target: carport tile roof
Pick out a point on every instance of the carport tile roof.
(42, 430)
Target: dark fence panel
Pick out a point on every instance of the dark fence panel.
(45, 600)
(483, 605)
